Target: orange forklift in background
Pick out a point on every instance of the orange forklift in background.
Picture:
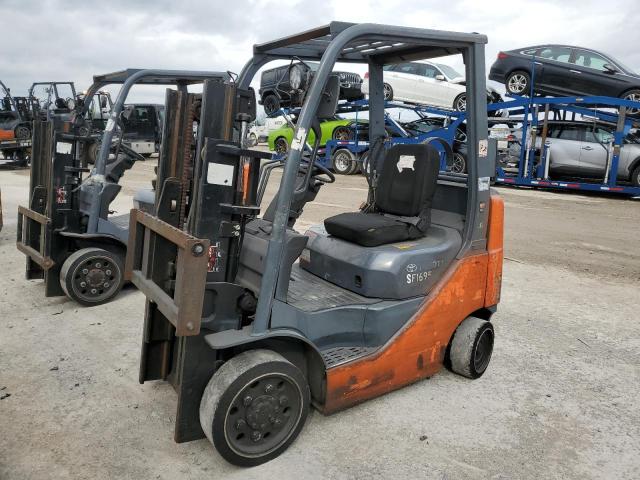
(251, 321)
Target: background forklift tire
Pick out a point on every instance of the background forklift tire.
(23, 132)
(254, 407)
(471, 347)
(92, 276)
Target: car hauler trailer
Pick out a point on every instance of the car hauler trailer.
(68, 234)
(252, 322)
(535, 157)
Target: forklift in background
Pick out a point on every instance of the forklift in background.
(15, 129)
(68, 232)
(252, 322)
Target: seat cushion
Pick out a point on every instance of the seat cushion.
(369, 229)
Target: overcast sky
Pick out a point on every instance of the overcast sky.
(71, 40)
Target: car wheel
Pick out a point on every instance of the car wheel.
(518, 83)
(634, 96)
(341, 133)
(23, 132)
(458, 163)
(271, 104)
(343, 162)
(387, 92)
(635, 177)
(254, 407)
(460, 103)
(281, 146)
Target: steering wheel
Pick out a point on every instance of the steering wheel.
(318, 171)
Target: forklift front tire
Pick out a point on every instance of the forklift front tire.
(254, 407)
(471, 347)
(92, 276)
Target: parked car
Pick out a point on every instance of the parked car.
(338, 129)
(259, 131)
(285, 86)
(564, 70)
(581, 149)
(426, 83)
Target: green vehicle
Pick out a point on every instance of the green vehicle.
(336, 129)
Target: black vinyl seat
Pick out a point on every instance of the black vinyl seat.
(404, 195)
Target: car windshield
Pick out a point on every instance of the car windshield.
(623, 66)
(423, 125)
(450, 72)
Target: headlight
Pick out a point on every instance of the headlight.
(297, 76)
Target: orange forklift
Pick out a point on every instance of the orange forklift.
(253, 322)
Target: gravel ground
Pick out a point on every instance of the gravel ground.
(558, 401)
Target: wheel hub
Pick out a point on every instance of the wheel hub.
(263, 412)
(263, 415)
(95, 277)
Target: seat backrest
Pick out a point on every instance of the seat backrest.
(408, 180)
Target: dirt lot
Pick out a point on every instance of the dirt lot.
(559, 400)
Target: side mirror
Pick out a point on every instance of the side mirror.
(440, 78)
(610, 68)
(127, 112)
(329, 98)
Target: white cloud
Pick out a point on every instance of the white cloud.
(74, 39)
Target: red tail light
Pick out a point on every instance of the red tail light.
(366, 74)
(502, 55)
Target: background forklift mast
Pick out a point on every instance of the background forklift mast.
(57, 100)
(67, 233)
(247, 335)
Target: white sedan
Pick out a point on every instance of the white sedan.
(426, 83)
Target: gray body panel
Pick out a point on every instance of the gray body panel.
(394, 271)
(367, 324)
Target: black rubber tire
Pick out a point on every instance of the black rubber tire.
(459, 164)
(634, 95)
(281, 146)
(22, 132)
(343, 162)
(342, 133)
(271, 104)
(525, 90)
(111, 282)
(220, 399)
(458, 101)
(635, 177)
(387, 92)
(471, 347)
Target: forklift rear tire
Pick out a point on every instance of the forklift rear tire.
(254, 407)
(92, 276)
(471, 347)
